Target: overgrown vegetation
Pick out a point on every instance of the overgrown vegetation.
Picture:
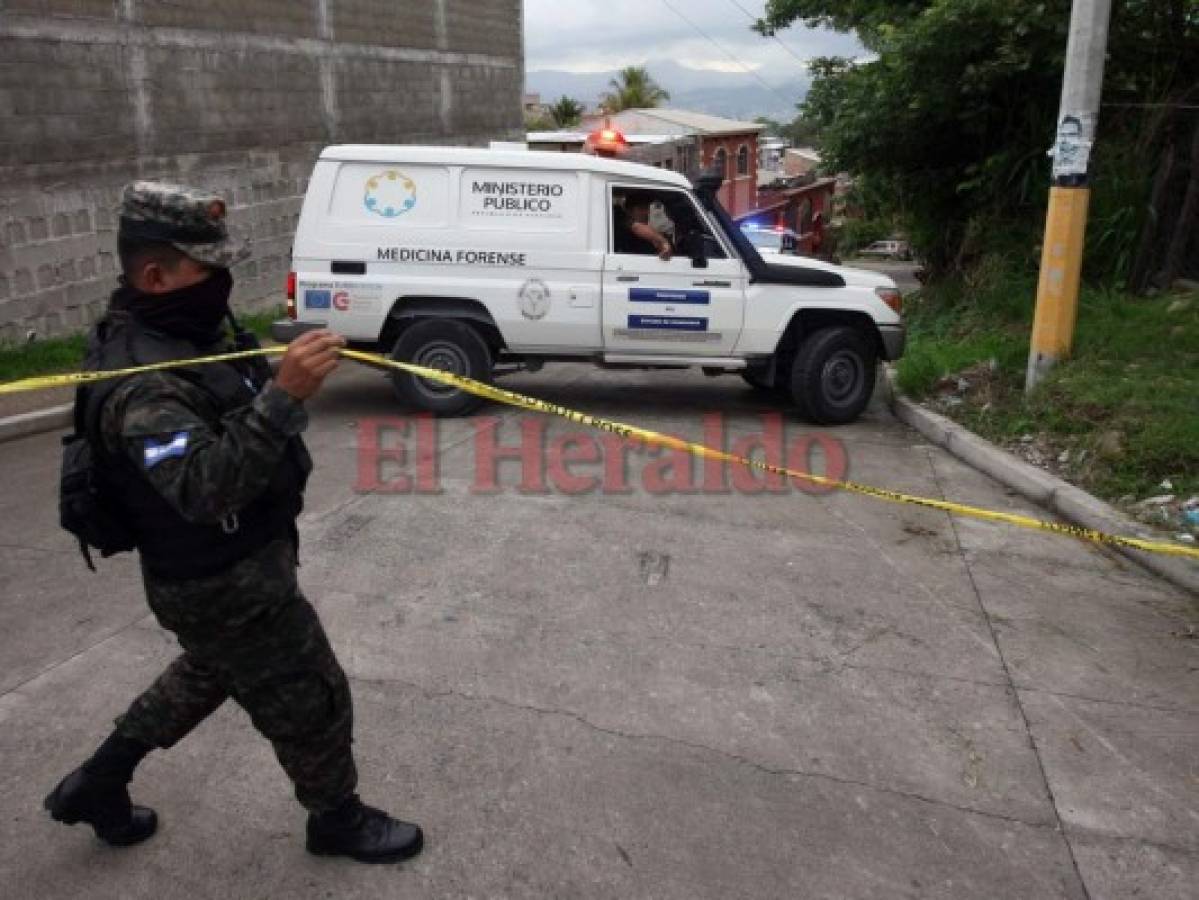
(41, 358)
(66, 353)
(951, 121)
(945, 132)
(1119, 418)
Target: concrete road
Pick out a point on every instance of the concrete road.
(903, 272)
(638, 693)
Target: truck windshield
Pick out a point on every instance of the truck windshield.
(760, 270)
(767, 240)
(742, 244)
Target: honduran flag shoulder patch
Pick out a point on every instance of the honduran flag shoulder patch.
(157, 450)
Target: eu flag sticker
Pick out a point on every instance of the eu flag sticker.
(318, 299)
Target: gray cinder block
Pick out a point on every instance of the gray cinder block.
(230, 94)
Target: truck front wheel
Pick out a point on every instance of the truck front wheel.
(832, 378)
(450, 346)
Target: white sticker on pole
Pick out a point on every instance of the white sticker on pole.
(1072, 150)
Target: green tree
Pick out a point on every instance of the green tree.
(540, 123)
(773, 128)
(634, 88)
(951, 118)
(802, 131)
(566, 112)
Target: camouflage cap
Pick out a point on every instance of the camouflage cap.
(190, 219)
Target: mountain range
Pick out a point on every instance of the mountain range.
(736, 95)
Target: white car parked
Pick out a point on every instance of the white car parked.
(887, 250)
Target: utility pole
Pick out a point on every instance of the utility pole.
(1069, 197)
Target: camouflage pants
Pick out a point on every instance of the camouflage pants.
(249, 634)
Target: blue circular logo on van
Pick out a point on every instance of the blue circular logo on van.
(390, 194)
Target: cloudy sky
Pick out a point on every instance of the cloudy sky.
(601, 35)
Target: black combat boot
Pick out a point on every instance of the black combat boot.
(97, 793)
(101, 801)
(363, 833)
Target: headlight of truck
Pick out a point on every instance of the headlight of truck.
(892, 298)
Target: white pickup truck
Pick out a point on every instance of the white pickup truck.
(483, 262)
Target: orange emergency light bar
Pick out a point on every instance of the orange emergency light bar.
(607, 142)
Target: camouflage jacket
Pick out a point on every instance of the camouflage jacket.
(207, 467)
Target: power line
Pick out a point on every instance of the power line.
(799, 59)
(707, 37)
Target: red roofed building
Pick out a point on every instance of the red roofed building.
(726, 144)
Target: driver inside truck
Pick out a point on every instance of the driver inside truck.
(633, 232)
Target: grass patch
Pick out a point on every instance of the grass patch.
(41, 358)
(260, 322)
(1123, 412)
(66, 354)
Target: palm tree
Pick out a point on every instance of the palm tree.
(566, 112)
(634, 88)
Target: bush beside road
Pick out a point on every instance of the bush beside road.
(1120, 419)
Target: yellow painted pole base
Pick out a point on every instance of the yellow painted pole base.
(1057, 290)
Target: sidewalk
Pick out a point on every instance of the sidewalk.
(33, 401)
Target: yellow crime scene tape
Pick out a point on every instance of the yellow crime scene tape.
(75, 379)
(631, 432)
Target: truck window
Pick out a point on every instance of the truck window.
(673, 214)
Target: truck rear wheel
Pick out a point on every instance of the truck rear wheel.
(450, 346)
(832, 378)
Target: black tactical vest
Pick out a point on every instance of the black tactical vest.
(172, 547)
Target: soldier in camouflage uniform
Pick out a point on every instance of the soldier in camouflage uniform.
(205, 467)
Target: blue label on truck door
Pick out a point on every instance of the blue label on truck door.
(654, 295)
(669, 323)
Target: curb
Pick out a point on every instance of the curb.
(26, 424)
(1071, 503)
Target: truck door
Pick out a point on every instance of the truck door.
(657, 306)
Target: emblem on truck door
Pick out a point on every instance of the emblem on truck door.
(534, 299)
(390, 194)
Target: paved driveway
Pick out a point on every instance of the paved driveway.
(903, 272)
(641, 693)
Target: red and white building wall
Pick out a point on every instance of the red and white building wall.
(736, 155)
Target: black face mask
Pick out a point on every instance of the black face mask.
(194, 313)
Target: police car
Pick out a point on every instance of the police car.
(771, 241)
(483, 262)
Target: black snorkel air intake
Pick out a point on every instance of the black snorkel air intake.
(707, 184)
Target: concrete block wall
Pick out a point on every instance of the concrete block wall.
(237, 95)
